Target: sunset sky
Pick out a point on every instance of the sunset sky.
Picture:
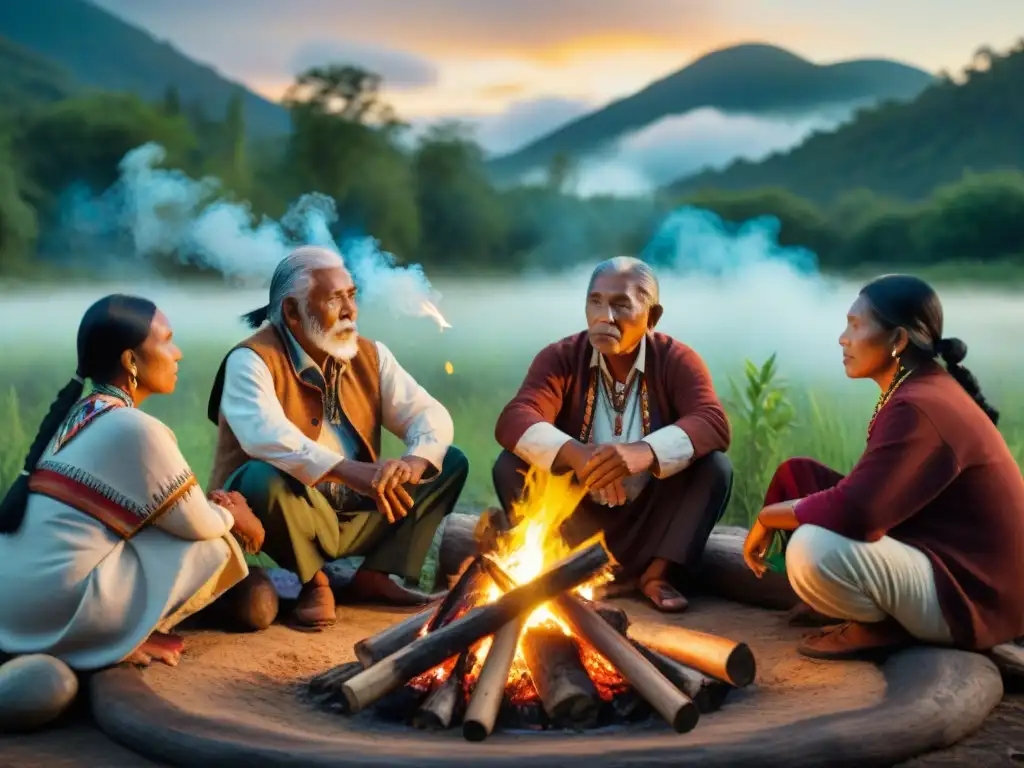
(515, 65)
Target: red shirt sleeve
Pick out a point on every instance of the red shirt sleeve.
(539, 399)
(906, 465)
(702, 416)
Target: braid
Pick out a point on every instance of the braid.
(953, 351)
(12, 508)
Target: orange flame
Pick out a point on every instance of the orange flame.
(428, 309)
(525, 552)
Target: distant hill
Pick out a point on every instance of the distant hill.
(902, 150)
(99, 49)
(749, 79)
(26, 78)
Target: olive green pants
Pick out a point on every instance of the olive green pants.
(304, 532)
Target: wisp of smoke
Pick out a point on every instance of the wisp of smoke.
(164, 212)
(693, 240)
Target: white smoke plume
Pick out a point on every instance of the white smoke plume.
(166, 212)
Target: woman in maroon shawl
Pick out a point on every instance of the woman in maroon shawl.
(924, 540)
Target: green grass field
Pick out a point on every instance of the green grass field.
(772, 420)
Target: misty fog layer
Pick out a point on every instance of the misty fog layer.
(730, 291)
(505, 322)
(681, 145)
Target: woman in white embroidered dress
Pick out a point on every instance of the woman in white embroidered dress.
(106, 540)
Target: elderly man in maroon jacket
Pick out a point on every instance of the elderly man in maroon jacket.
(634, 415)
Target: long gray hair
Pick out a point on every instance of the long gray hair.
(291, 280)
(647, 281)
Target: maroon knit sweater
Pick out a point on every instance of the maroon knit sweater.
(938, 476)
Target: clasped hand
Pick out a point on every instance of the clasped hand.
(383, 482)
(247, 527)
(602, 468)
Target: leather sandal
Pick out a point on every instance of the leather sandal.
(665, 597)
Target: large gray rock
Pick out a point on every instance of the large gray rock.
(34, 690)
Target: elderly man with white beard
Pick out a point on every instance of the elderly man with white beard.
(299, 408)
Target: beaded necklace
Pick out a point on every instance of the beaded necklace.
(898, 378)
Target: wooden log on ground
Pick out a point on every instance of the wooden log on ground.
(458, 544)
(672, 704)
(566, 691)
(370, 650)
(1009, 658)
(716, 656)
(724, 573)
(442, 707)
(707, 693)
(432, 649)
(484, 705)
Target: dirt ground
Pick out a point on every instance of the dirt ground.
(253, 678)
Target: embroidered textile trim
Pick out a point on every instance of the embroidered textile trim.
(83, 414)
(588, 409)
(85, 492)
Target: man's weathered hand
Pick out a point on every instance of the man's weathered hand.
(614, 494)
(247, 527)
(417, 468)
(380, 481)
(393, 501)
(614, 462)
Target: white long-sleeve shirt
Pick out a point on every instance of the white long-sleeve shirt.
(250, 406)
(673, 449)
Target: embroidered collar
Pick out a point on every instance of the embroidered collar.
(103, 399)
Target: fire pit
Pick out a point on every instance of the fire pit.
(519, 643)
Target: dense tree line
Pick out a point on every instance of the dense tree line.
(430, 200)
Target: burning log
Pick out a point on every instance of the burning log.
(325, 688)
(718, 657)
(431, 649)
(490, 686)
(566, 691)
(616, 617)
(707, 693)
(440, 708)
(671, 703)
(370, 650)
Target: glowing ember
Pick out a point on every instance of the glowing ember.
(428, 309)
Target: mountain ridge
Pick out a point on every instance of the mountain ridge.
(749, 78)
(100, 49)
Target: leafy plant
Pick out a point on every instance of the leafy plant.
(761, 415)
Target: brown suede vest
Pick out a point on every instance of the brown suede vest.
(358, 394)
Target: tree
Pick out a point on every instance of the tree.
(234, 139)
(462, 215)
(172, 101)
(81, 141)
(343, 145)
(561, 172)
(344, 91)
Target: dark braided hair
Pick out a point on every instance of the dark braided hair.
(903, 301)
(109, 327)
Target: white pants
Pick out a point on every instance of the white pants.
(867, 582)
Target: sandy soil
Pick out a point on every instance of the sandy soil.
(253, 678)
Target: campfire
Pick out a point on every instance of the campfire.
(519, 641)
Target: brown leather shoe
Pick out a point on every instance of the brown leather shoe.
(854, 639)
